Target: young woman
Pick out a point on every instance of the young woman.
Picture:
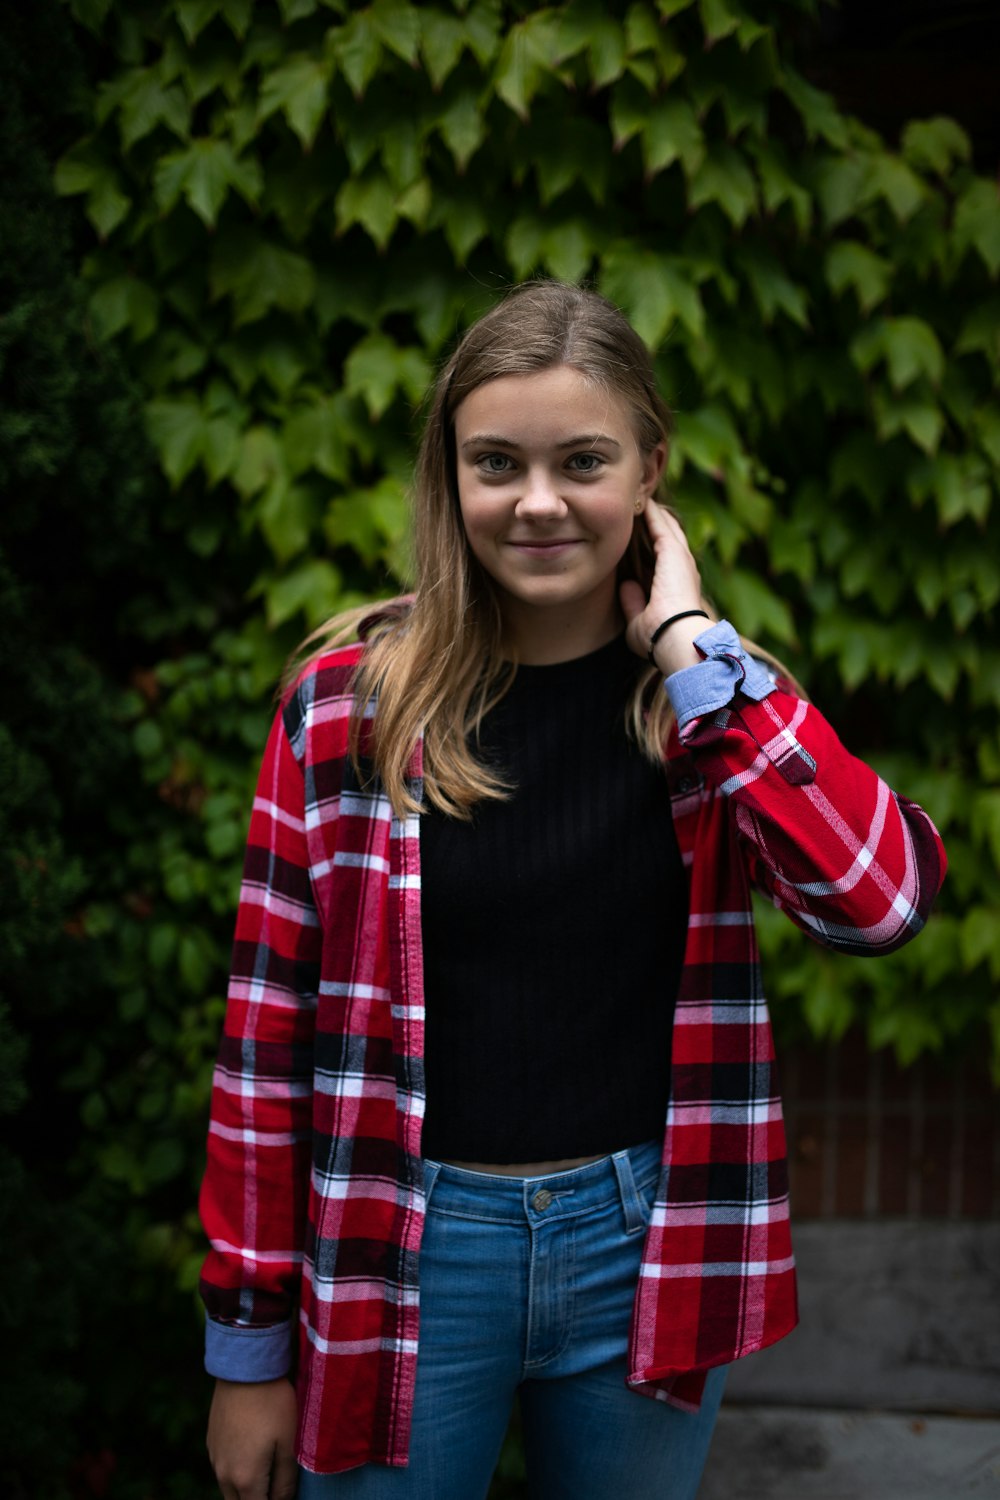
(495, 1108)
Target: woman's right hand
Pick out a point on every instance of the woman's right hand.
(251, 1439)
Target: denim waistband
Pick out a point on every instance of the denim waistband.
(550, 1195)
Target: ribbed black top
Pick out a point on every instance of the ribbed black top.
(553, 931)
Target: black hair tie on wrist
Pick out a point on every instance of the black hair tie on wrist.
(684, 615)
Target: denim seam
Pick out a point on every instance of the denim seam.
(569, 1294)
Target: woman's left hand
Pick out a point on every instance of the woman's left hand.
(676, 587)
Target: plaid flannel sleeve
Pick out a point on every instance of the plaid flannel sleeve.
(254, 1194)
(855, 865)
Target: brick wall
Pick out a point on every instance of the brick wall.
(867, 1139)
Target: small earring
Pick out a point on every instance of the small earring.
(640, 504)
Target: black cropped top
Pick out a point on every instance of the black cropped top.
(553, 931)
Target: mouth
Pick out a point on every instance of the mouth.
(544, 547)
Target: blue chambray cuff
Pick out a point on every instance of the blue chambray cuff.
(235, 1352)
(714, 682)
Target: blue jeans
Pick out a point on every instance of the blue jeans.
(526, 1286)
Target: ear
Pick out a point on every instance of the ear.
(653, 464)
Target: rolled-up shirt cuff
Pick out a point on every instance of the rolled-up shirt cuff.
(714, 682)
(234, 1351)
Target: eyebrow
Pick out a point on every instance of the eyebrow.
(584, 440)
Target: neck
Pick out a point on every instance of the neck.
(543, 637)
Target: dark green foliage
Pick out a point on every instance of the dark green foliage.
(211, 360)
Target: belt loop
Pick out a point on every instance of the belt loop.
(634, 1218)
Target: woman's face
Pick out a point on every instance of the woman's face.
(550, 480)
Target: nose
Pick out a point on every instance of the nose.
(540, 498)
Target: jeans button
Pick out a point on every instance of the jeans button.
(542, 1199)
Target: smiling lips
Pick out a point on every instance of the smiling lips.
(542, 544)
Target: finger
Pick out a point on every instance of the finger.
(661, 520)
(285, 1479)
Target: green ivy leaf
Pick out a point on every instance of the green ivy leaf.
(320, 436)
(84, 169)
(977, 222)
(358, 50)
(377, 368)
(398, 24)
(772, 288)
(719, 19)
(401, 156)
(259, 275)
(606, 50)
(91, 13)
(979, 939)
(463, 220)
(912, 413)
(890, 178)
(654, 290)
(933, 145)
(462, 128)
(757, 607)
(261, 461)
(299, 90)
(708, 437)
(194, 15)
(724, 179)
(368, 201)
(523, 244)
(569, 248)
(575, 151)
(373, 522)
(484, 22)
(221, 447)
(843, 187)
(176, 428)
(204, 173)
(286, 514)
(672, 133)
(143, 101)
(778, 186)
(912, 350)
(852, 264)
(312, 589)
(628, 111)
(531, 52)
(442, 40)
(237, 14)
(986, 426)
(909, 347)
(296, 10)
(960, 485)
(818, 110)
(125, 302)
(642, 30)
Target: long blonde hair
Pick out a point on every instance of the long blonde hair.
(434, 663)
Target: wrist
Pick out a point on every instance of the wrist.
(676, 650)
(671, 646)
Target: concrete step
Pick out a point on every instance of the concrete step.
(787, 1453)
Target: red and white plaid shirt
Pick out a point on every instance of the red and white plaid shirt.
(313, 1194)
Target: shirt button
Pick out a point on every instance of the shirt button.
(542, 1199)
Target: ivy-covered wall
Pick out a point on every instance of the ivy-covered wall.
(279, 214)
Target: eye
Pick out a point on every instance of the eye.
(587, 462)
(494, 463)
